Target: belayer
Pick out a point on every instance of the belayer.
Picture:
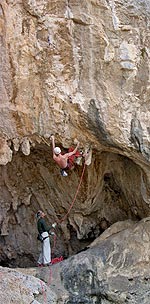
(43, 235)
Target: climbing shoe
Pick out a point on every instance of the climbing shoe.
(63, 172)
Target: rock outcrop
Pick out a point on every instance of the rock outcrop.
(114, 270)
(16, 287)
(79, 70)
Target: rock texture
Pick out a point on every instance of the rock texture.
(84, 64)
(32, 286)
(114, 270)
(19, 288)
(79, 70)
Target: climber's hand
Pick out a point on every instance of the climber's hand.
(52, 233)
(54, 225)
(52, 137)
(76, 142)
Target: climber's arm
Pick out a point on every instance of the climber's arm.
(73, 152)
(53, 143)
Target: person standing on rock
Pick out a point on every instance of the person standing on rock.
(43, 236)
(63, 160)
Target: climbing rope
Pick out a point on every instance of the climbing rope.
(60, 221)
(81, 178)
(56, 260)
(43, 291)
(71, 206)
(54, 244)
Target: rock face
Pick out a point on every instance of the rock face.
(84, 64)
(114, 270)
(19, 288)
(79, 70)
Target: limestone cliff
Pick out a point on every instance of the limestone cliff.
(79, 70)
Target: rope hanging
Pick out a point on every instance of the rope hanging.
(81, 178)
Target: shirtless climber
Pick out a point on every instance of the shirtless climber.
(62, 160)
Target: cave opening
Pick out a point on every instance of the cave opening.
(113, 189)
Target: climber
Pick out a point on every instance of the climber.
(43, 236)
(63, 160)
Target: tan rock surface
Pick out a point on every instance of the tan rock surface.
(79, 70)
(84, 64)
